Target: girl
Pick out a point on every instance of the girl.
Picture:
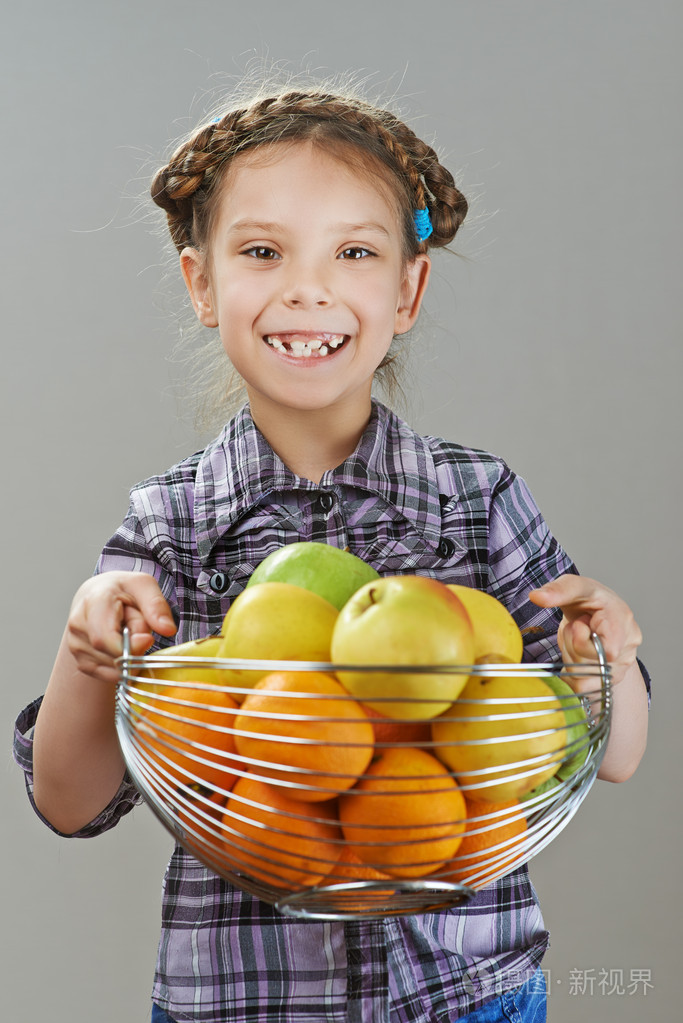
(304, 223)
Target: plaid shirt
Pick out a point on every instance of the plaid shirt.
(405, 504)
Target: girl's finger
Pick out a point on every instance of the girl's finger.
(103, 606)
(131, 599)
(144, 595)
(578, 642)
(575, 594)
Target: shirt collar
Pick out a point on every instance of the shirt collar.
(239, 469)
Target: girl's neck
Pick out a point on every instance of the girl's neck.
(311, 442)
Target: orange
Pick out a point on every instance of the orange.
(199, 821)
(274, 838)
(407, 733)
(187, 734)
(406, 816)
(304, 730)
(493, 839)
(350, 867)
(364, 898)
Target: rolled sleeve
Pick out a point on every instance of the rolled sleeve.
(123, 802)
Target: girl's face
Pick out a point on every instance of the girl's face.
(304, 279)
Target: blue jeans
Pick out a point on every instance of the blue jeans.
(526, 1004)
(159, 1016)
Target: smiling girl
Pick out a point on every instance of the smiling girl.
(305, 280)
(304, 223)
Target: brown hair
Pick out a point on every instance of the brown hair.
(187, 188)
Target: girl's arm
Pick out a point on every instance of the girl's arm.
(588, 606)
(78, 765)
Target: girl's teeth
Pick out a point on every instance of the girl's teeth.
(305, 349)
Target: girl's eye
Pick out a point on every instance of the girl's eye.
(355, 252)
(262, 252)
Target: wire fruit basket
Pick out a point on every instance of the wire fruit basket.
(325, 812)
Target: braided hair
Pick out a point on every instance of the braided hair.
(344, 125)
(187, 186)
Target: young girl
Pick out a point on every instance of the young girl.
(304, 223)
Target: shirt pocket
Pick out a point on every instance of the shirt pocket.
(224, 580)
(411, 555)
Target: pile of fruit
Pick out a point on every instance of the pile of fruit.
(346, 773)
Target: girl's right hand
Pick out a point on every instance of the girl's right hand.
(103, 605)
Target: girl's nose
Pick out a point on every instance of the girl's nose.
(306, 289)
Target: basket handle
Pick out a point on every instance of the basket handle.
(600, 653)
(125, 655)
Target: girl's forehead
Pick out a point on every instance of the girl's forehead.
(272, 174)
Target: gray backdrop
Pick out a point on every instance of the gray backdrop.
(556, 344)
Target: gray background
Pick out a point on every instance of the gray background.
(555, 343)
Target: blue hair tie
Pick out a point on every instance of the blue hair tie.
(423, 224)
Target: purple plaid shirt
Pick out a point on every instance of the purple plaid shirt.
(405, 504)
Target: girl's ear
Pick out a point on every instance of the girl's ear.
(413, 287)
(197, 282)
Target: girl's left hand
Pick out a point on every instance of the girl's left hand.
(588, 606)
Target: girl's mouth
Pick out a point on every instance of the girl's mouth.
(306, 346)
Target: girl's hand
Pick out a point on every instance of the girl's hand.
(588, 606)
(101, 608)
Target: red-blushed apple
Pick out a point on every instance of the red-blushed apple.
(403, 620)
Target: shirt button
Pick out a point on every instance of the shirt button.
(446, 548)
(324, 503)
(218, 582)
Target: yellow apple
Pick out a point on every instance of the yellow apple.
(403, 620)
(276, 621)
(209, 646)
(158, 680)
(496, 635)
(503, 737)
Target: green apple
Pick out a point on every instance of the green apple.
(503, 737)
(546, 787)
(279, 622)
(406, 620)
(577, 734)
(326, 570)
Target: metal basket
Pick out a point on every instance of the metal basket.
(171, 774)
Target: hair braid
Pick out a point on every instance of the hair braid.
(184, 187)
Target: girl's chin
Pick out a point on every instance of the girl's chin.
(312, 399)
